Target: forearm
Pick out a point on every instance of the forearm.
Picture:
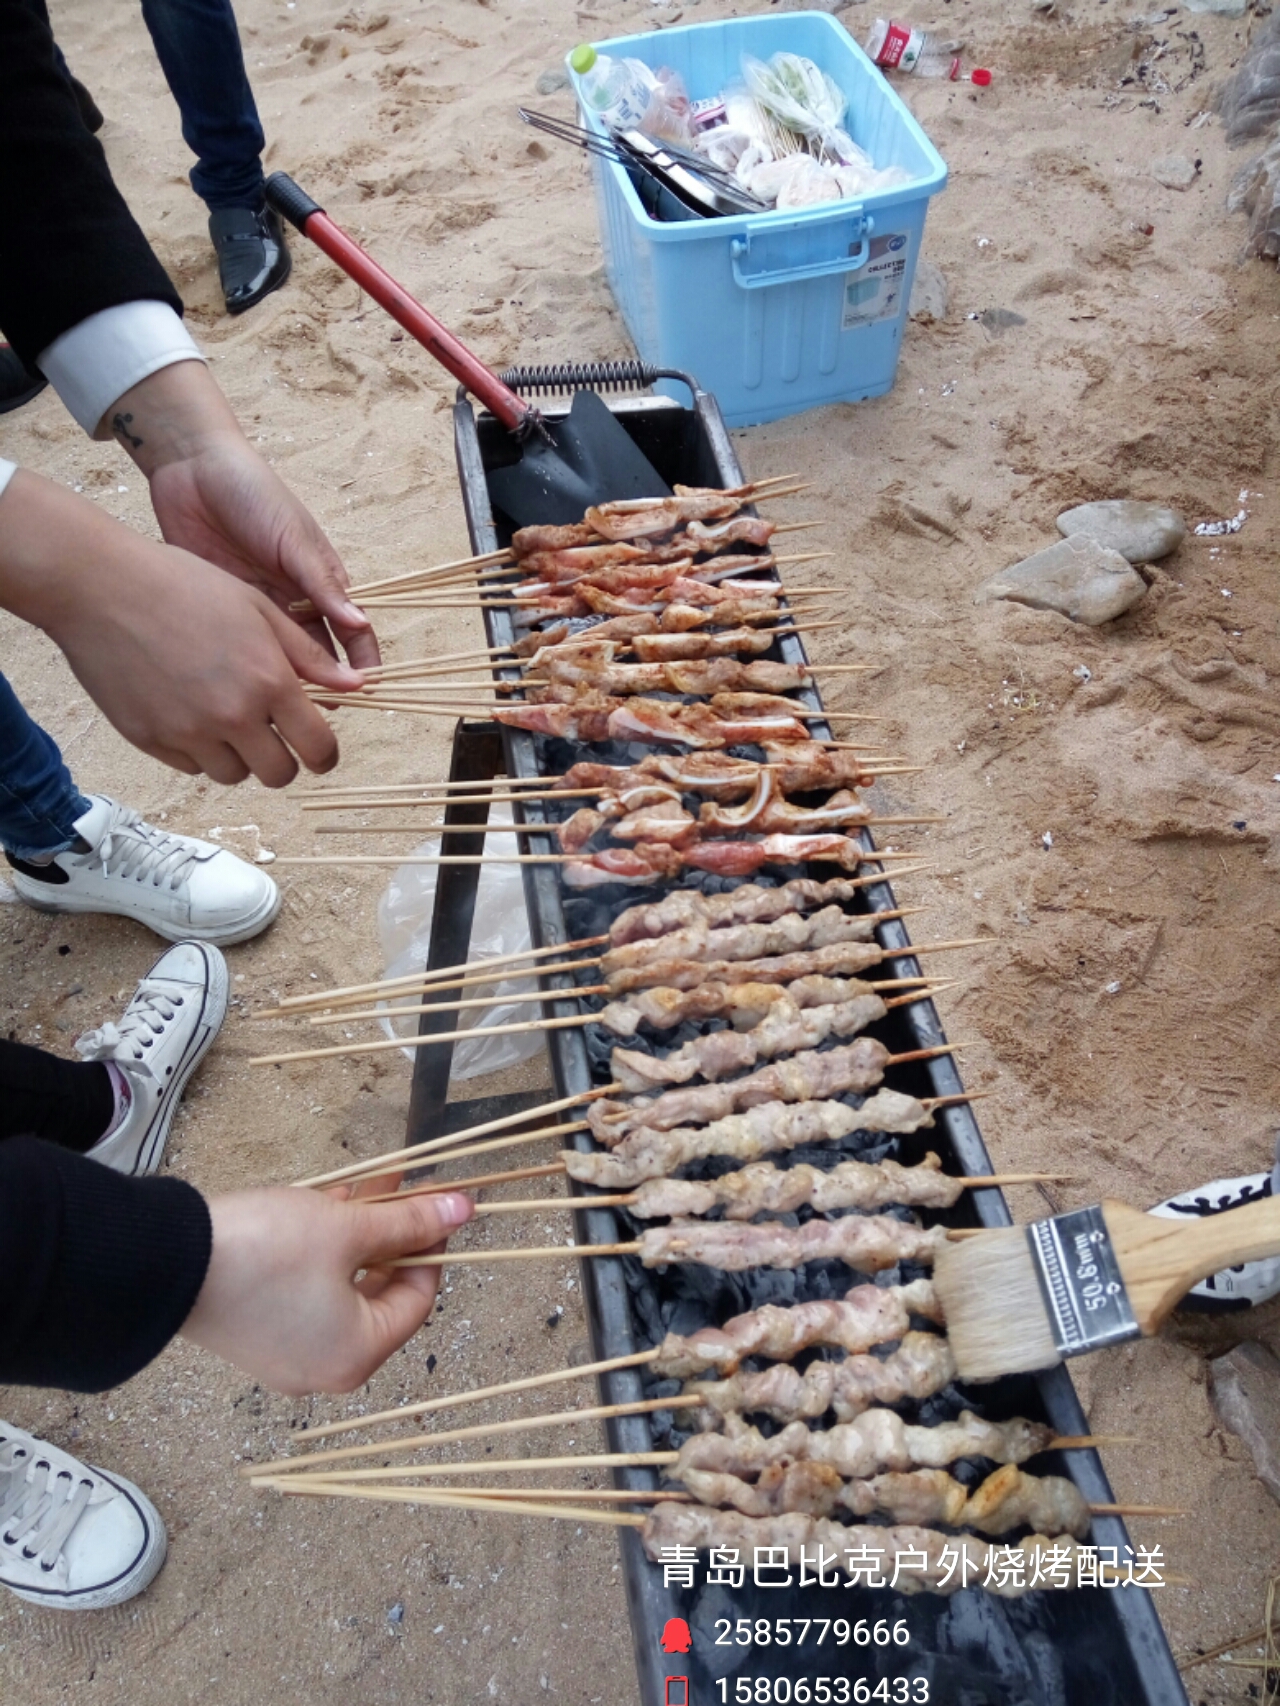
(97, 1271)
(57, 549)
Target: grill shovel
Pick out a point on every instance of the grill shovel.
(587, 458)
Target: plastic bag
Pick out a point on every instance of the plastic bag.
(501, 927)
(668, 118)
(801, 96)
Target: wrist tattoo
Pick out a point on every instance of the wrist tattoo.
(120, 424)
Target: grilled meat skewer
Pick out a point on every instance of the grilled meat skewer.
(762, 1188)
(806, 1077)
(867, 1242)
(921, 1366)
(767, 1130)
(866, 1315)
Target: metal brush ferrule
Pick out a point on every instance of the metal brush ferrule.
(1080, 1281)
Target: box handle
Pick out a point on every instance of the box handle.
(740, 249)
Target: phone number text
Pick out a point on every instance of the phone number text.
(795, 1631)
(823, 1691)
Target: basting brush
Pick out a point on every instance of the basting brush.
(1027, 1297)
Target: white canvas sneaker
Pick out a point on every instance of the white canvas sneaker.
(1248, 1283)
(162, 1036)
(178, 886)
(71, 1536)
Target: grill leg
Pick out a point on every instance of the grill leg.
(477, 757)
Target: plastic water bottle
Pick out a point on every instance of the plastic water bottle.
(902, 47)
(618, 90)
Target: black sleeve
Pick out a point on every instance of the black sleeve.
(97, 1271)
(69, 246)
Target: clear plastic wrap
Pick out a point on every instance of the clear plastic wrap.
(501, 927)
(801, 96)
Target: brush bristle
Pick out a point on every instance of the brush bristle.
(995, 1311)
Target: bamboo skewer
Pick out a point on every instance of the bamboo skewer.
(453, 1501)
(551, 997)
(457, 1138)
(475, 971)
(499, 1466)
(413, 985)
(428, 1406)
(871, 857)
(540, 829)
(572, 993)
(476, 1430)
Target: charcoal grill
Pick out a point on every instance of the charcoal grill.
(1104, 1647)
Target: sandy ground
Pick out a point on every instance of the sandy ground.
(1123, 1019)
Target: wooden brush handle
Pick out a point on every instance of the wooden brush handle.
(1162, 1259)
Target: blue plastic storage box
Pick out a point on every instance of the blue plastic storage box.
(774, 312)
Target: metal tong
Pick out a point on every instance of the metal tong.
(697, 183)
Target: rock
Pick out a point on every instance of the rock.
(552, 80)
(929, 292)
(998, 321)
(1077, 577)
(1244, 1387)
(1175, 171)
(1224, 8)
(1141, 532)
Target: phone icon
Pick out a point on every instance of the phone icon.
(677, 1691)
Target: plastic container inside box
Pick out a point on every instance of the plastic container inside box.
(776, 312)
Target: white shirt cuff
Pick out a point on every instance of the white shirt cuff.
(7, 471)
(102, 357)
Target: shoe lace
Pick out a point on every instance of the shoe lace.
(134, 848)
(41, 1505)
(153, 1007)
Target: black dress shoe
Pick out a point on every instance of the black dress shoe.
(252, 257)
(16, 384)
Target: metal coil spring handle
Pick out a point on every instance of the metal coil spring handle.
(562, 377)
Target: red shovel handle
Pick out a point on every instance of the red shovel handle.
(310, 218)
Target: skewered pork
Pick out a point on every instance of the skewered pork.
(647, 863)
(785, 1029)
(1009, 1498)
(806, 1077)
(653, 720)
(834, 959)
(762, 1188)
(586, 665)
(745, 1005)
(866, 1315)
(766, 1130)
(868, 1242)
(921, 1366)
(787, 933)
(912, 1560)
(877, 1441)
(747, 904)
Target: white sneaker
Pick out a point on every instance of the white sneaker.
(71, 1536)
(1248, 1283)
(177, 885)
(163, 1035)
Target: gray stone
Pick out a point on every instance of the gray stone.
(1077, 577)
(930, 295)
(1141, 532)
(1175, 171)
(1244, 1387)
(1225, 8)
(552, 80)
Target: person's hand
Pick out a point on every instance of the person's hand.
(281, 1299)
(190, 665)
(215, 496)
